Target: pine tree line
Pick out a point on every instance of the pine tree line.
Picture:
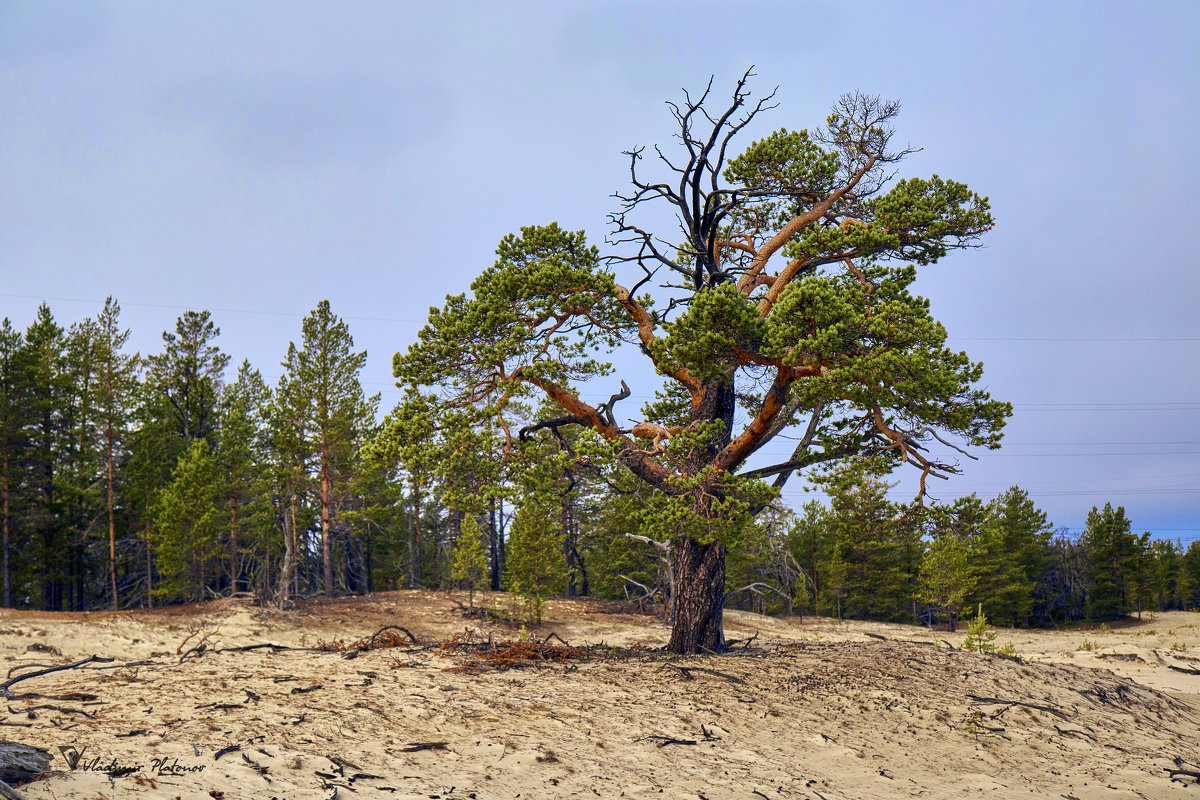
(128, 481)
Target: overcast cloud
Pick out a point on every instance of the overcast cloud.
(254, 159)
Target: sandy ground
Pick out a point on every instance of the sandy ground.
(811, 708)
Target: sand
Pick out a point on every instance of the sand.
(812, 708)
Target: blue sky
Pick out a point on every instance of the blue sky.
(254, 159)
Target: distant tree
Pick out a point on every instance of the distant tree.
(187, 524)
(946, 575)
(12, 395)
(1014, 553)
(321, 396)
(865, 554)
(47, 384)
(1168, 584)
(535, 567)
(189, 374)
(242, 453)
(785, 302)
(469, 566)
(1113, 553)
(808, 543)
(116, 381)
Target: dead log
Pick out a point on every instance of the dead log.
(21, 762)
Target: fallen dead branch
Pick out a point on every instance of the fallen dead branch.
(418, 746)
(508, 654)
(386, 637)
(663, 741)
(92, 659)
(988, 701)
(1181, 770)
(687, 673)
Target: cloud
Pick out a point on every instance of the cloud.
(282, 121)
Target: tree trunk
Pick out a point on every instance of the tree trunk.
(112, 526)
(233, 544)
(326, 545)
(288, 567)
(493, 547)
(7, 569)
(149, 568)
(414, 538)
(699, 571)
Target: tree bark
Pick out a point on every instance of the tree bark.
(326, 545)
(7, 569)
(112, 526)
(414, 538)
(699, 571)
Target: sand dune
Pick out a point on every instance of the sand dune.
(812, 708)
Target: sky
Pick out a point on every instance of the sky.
(255, 158)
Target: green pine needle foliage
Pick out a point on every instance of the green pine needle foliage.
(468, 566)
(981, 637)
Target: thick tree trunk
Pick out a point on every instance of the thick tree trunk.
(699, 571)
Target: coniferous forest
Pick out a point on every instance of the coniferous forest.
(132, 481)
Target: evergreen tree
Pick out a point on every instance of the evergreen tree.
(243, 456)
(189, 374)
(1190, 576)
(809, 544)
(44, 514)
(1014, 555)
(12, 395)
(321, 396)
(535, 568)
(116, 382)
(830, 342)
(947, 576)
(469, 567)
(153, 455)
(1113, 552)
(866, 556)
(187, 524)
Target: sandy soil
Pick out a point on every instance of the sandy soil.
(811, 708)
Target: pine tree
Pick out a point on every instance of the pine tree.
(243, 457)
(1113, 552)
(469, 567)
(322, 398)
(866, 554)
(187, 524)
(46, 385)
(12, 395)
(116, 380)
(189, 373)
(831, 342)
(947, 576)
(535, 568)
(1015, 554)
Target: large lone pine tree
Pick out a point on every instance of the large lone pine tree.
(782, 303)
